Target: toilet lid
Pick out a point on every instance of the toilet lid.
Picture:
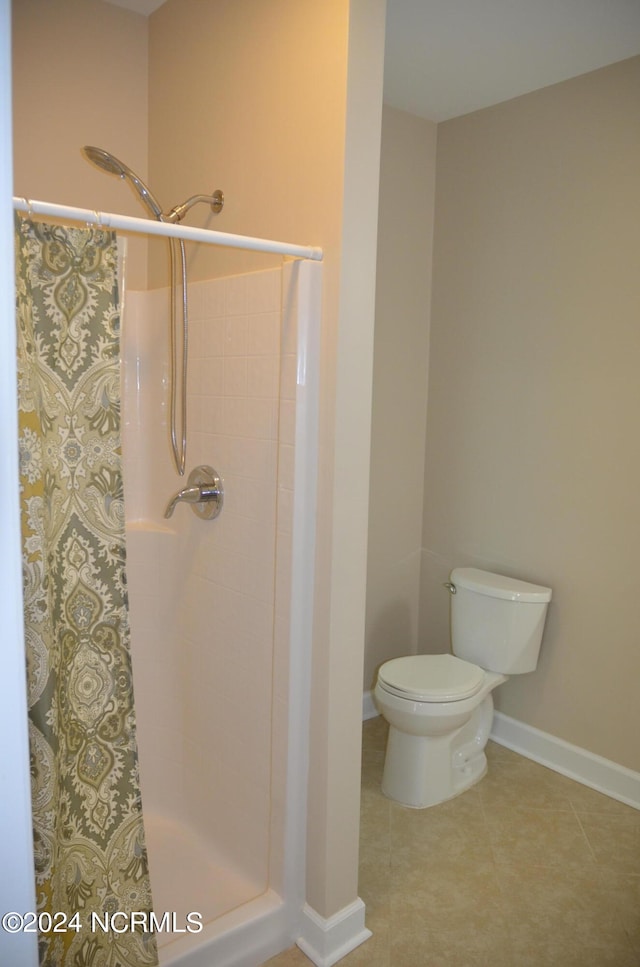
(431, 678)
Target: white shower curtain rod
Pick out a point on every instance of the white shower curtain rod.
(146, 226)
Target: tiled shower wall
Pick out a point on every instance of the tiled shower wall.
(209, 599)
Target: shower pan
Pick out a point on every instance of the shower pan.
(220, 607)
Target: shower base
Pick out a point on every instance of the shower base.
(188, 875)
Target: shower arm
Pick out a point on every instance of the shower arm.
(177, 213)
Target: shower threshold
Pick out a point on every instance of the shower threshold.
(190, 880)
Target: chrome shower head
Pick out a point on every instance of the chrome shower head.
(109, 163)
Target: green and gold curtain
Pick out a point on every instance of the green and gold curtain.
(88, 832)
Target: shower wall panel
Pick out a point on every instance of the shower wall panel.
(228, 602)
(210, 599)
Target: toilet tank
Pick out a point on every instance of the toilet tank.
(497, 621)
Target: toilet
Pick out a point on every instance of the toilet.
(439, 707)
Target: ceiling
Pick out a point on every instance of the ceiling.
(445, 58)
(449, 57)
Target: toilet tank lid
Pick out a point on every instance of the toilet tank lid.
(498, 585)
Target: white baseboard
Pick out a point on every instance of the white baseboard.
(591, 770)
(369, 711)
(325, 942)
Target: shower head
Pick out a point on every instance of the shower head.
(107, 162)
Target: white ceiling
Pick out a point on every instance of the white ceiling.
(448, 57)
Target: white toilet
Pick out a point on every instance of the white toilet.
(439, 707)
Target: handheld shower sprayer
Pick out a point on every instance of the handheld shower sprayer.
(113, 166)
(109, 163)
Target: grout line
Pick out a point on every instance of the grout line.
(583, 831)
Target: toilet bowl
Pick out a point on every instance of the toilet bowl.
(435, 749)
(440, 707)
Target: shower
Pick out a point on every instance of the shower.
(214, 612)
(219, 613)
(113, 166)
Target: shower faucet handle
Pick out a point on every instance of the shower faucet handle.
(204, 492)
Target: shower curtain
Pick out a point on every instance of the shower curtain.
(92, 880)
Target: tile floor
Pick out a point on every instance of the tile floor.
(527, 869)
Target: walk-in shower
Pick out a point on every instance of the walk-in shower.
(218, 609)
(217, 598)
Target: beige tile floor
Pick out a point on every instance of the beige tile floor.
(527, 869)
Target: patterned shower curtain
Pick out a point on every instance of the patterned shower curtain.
(90, 855)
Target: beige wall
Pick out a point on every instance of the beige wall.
(80, 77)
(533, 450)
(401, 354)
(250, 98)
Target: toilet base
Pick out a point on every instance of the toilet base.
(428, 786)
(422, 771)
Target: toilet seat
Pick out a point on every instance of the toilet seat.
(431, 678)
